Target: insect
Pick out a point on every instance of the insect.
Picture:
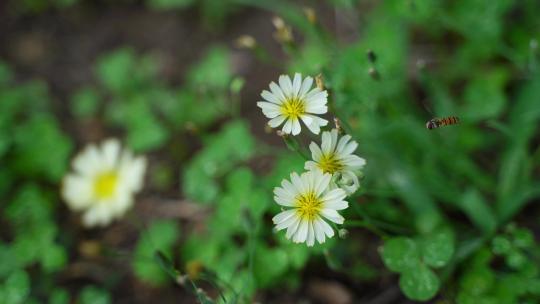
(440, 122)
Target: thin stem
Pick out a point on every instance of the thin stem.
(293, 144)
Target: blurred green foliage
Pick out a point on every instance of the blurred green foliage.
(443, 199)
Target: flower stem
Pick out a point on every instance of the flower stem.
(293, 144)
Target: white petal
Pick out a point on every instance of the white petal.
(334, 135)
(316, 109)
(277, 92)
(306, 119)
(270, 110)
(275, 122)
(334, 195)
(297, 82)
(310, 165)
(287, 128)
(286, 223)
(326, 143)
(342, 142)
(293, 228)
(283, 193)
(295, 127)
(282, 216)
(316, 153)
(323, 183)
(77, 191)
(349, 148)
(297, 183)
(332, 215)
(311, 235)
(354, 161)
(337, 204)
(319, 230)
(317, 94)
(306, 85)
(326, 227)
(88, 162)
(271, 97)
(286, 85)
(289, 188)
(110, 151)
(301, 234)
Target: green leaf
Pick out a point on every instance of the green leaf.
(438, 248)
(168, 4)
(419, 284)
(222, 152)
(267, 276)
(212, 72)
(478, 211)
(485, 97)
(41, 134)
(478, 281)
(523, 238)
(16, 288)
(94, 295)
(85, 103)
(160, 237)
(59, 296)
(400, 254)
(501, 245)
(53, 258)
(116, 70)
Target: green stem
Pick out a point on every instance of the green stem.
(366, 222)
(293, 144)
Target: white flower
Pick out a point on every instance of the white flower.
(310, 202)
(294, 100)
(103, 183)
(335, 157)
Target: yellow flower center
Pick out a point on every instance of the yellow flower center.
(105, 185)
(330, 164)
(308, 206)
(293, 107)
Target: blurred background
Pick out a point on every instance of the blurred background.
(178, 81)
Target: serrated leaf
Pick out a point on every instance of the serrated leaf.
(400, 254)
(438, 248)
(419, 284)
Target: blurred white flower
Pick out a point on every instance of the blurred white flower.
(103, 183)
(293, 101)
(311, 202)
(335, 157)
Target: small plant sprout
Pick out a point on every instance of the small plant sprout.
(335, 156)
(292, 101)
(103, 183)
(311, 201)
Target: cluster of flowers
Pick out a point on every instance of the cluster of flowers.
(311, 198)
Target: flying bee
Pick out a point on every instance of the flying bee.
(440, 122)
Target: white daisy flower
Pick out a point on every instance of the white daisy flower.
(103, 183)
(335, 157)
(310, 202)
(293, 101)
